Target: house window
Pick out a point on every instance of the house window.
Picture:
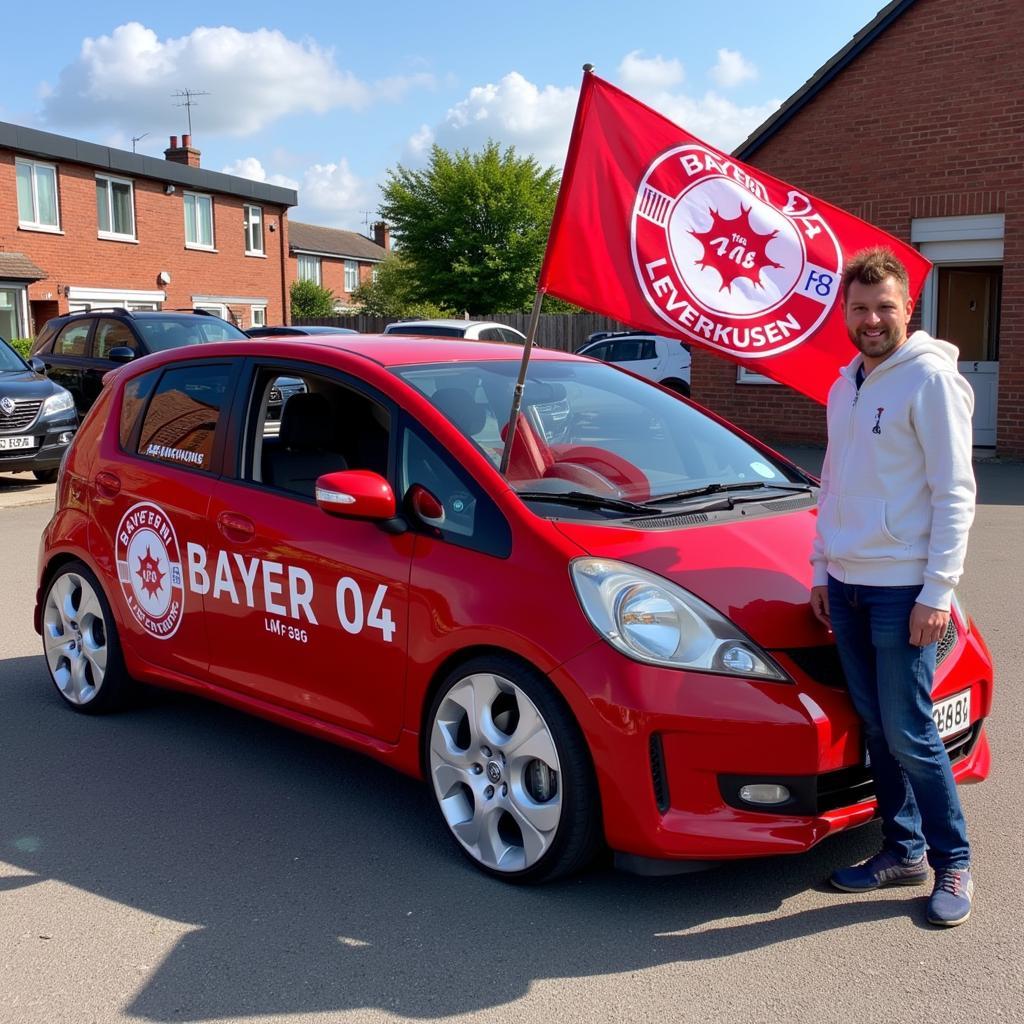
(351, 275)
(115, 207)
(198, 221)
(259, 316)
(37, 196)
(253, 231)
(309, 268)
(375, 274)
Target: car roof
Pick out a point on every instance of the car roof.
(386, 350)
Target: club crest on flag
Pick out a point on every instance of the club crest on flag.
(723, 264)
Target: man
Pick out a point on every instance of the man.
(896, 503)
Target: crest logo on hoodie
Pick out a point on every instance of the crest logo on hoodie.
(877, 428)
(724, 263)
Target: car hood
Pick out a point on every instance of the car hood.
(755, 571)
(26, 384)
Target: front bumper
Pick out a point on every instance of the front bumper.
(52, 438)
(672, 749)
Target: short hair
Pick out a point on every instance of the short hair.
(873, 266)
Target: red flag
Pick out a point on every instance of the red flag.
(660, 230)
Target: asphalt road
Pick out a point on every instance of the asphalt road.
(183, 862)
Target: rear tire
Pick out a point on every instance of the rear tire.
(511, 772)
(45, 476)
(680, 387)
(80, 642)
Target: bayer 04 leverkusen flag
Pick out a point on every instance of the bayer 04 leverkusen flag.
(661, 231)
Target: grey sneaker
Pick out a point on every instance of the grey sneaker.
(885, 868)
(950, 904)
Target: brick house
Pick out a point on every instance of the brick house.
(335, 259)
(916, 126)
(83, 225)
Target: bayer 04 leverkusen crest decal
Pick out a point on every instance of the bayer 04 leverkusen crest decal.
(149, 569)
(723, 263)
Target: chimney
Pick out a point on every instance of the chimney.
(382, 235)
(183, 154)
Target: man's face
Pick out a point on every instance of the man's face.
(876, 317)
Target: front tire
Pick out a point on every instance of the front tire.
(80, 642)
(511, 772)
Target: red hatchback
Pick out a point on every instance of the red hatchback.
(612, 642)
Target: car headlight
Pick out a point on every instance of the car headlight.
(650, 619)
(60, 402)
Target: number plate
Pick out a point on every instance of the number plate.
(953, 714)
(10, 444)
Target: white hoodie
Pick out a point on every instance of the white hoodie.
(897, 484)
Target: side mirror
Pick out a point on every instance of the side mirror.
(356, 494)
(38, 365)
(121, 354)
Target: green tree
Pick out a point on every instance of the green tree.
(392, 294)
(472, 226)
(310, 300)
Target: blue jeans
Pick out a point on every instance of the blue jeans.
(890, 685)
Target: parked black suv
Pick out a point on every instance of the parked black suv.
(79, 348)
(37, 418)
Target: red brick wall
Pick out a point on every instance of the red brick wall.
(79, 258)
(927, 122)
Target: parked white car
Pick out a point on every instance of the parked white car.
(474, 330)
(663, 360)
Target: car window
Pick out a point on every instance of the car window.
(490, 334)
(181, 419)
(112, 334)
(508, 334)
(433, 332)
(9, 359)
(71, 340)
(471, 519)
(631, 350)
(303, 424)
(44, 341)
(133, 399)
(163, 333)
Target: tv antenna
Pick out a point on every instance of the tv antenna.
(138, 138)
(187, 95)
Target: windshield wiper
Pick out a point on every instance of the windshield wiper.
(582, 499)
(716, 488)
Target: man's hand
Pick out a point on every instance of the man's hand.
(927, 625)
(819, 605)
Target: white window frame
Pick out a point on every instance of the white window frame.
(116, 236)
(20, 306)
(197, 197)
(351, 275)
(36, 224)
(258, 316)
(748, 376)
(317, 278)
(253, 220)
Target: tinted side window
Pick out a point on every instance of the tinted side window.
(181, 421)
(44, 342)
(630, 350)
(71, 341)
(472, 520)
(490, 334)
(136, 391)
(508, 334)
(112, 334)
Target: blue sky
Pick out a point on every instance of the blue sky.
(325, 99)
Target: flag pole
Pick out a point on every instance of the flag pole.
(531, 331)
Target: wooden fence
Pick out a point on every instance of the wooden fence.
(565, 332)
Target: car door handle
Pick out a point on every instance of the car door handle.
(236, 527)
(108, 485)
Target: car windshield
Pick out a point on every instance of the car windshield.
(162, 333)
(588, 429)
(427, 329)
(9, 359)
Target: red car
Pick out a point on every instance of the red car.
(611, 643)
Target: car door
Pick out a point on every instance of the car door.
(109, 334)
(311, 610)
(68, 359)
(151, 506)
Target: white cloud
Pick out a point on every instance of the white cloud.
(732, 69)
(127, 79)
(513, 111)
(251, 168)
(649, 74)
(538, 120)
